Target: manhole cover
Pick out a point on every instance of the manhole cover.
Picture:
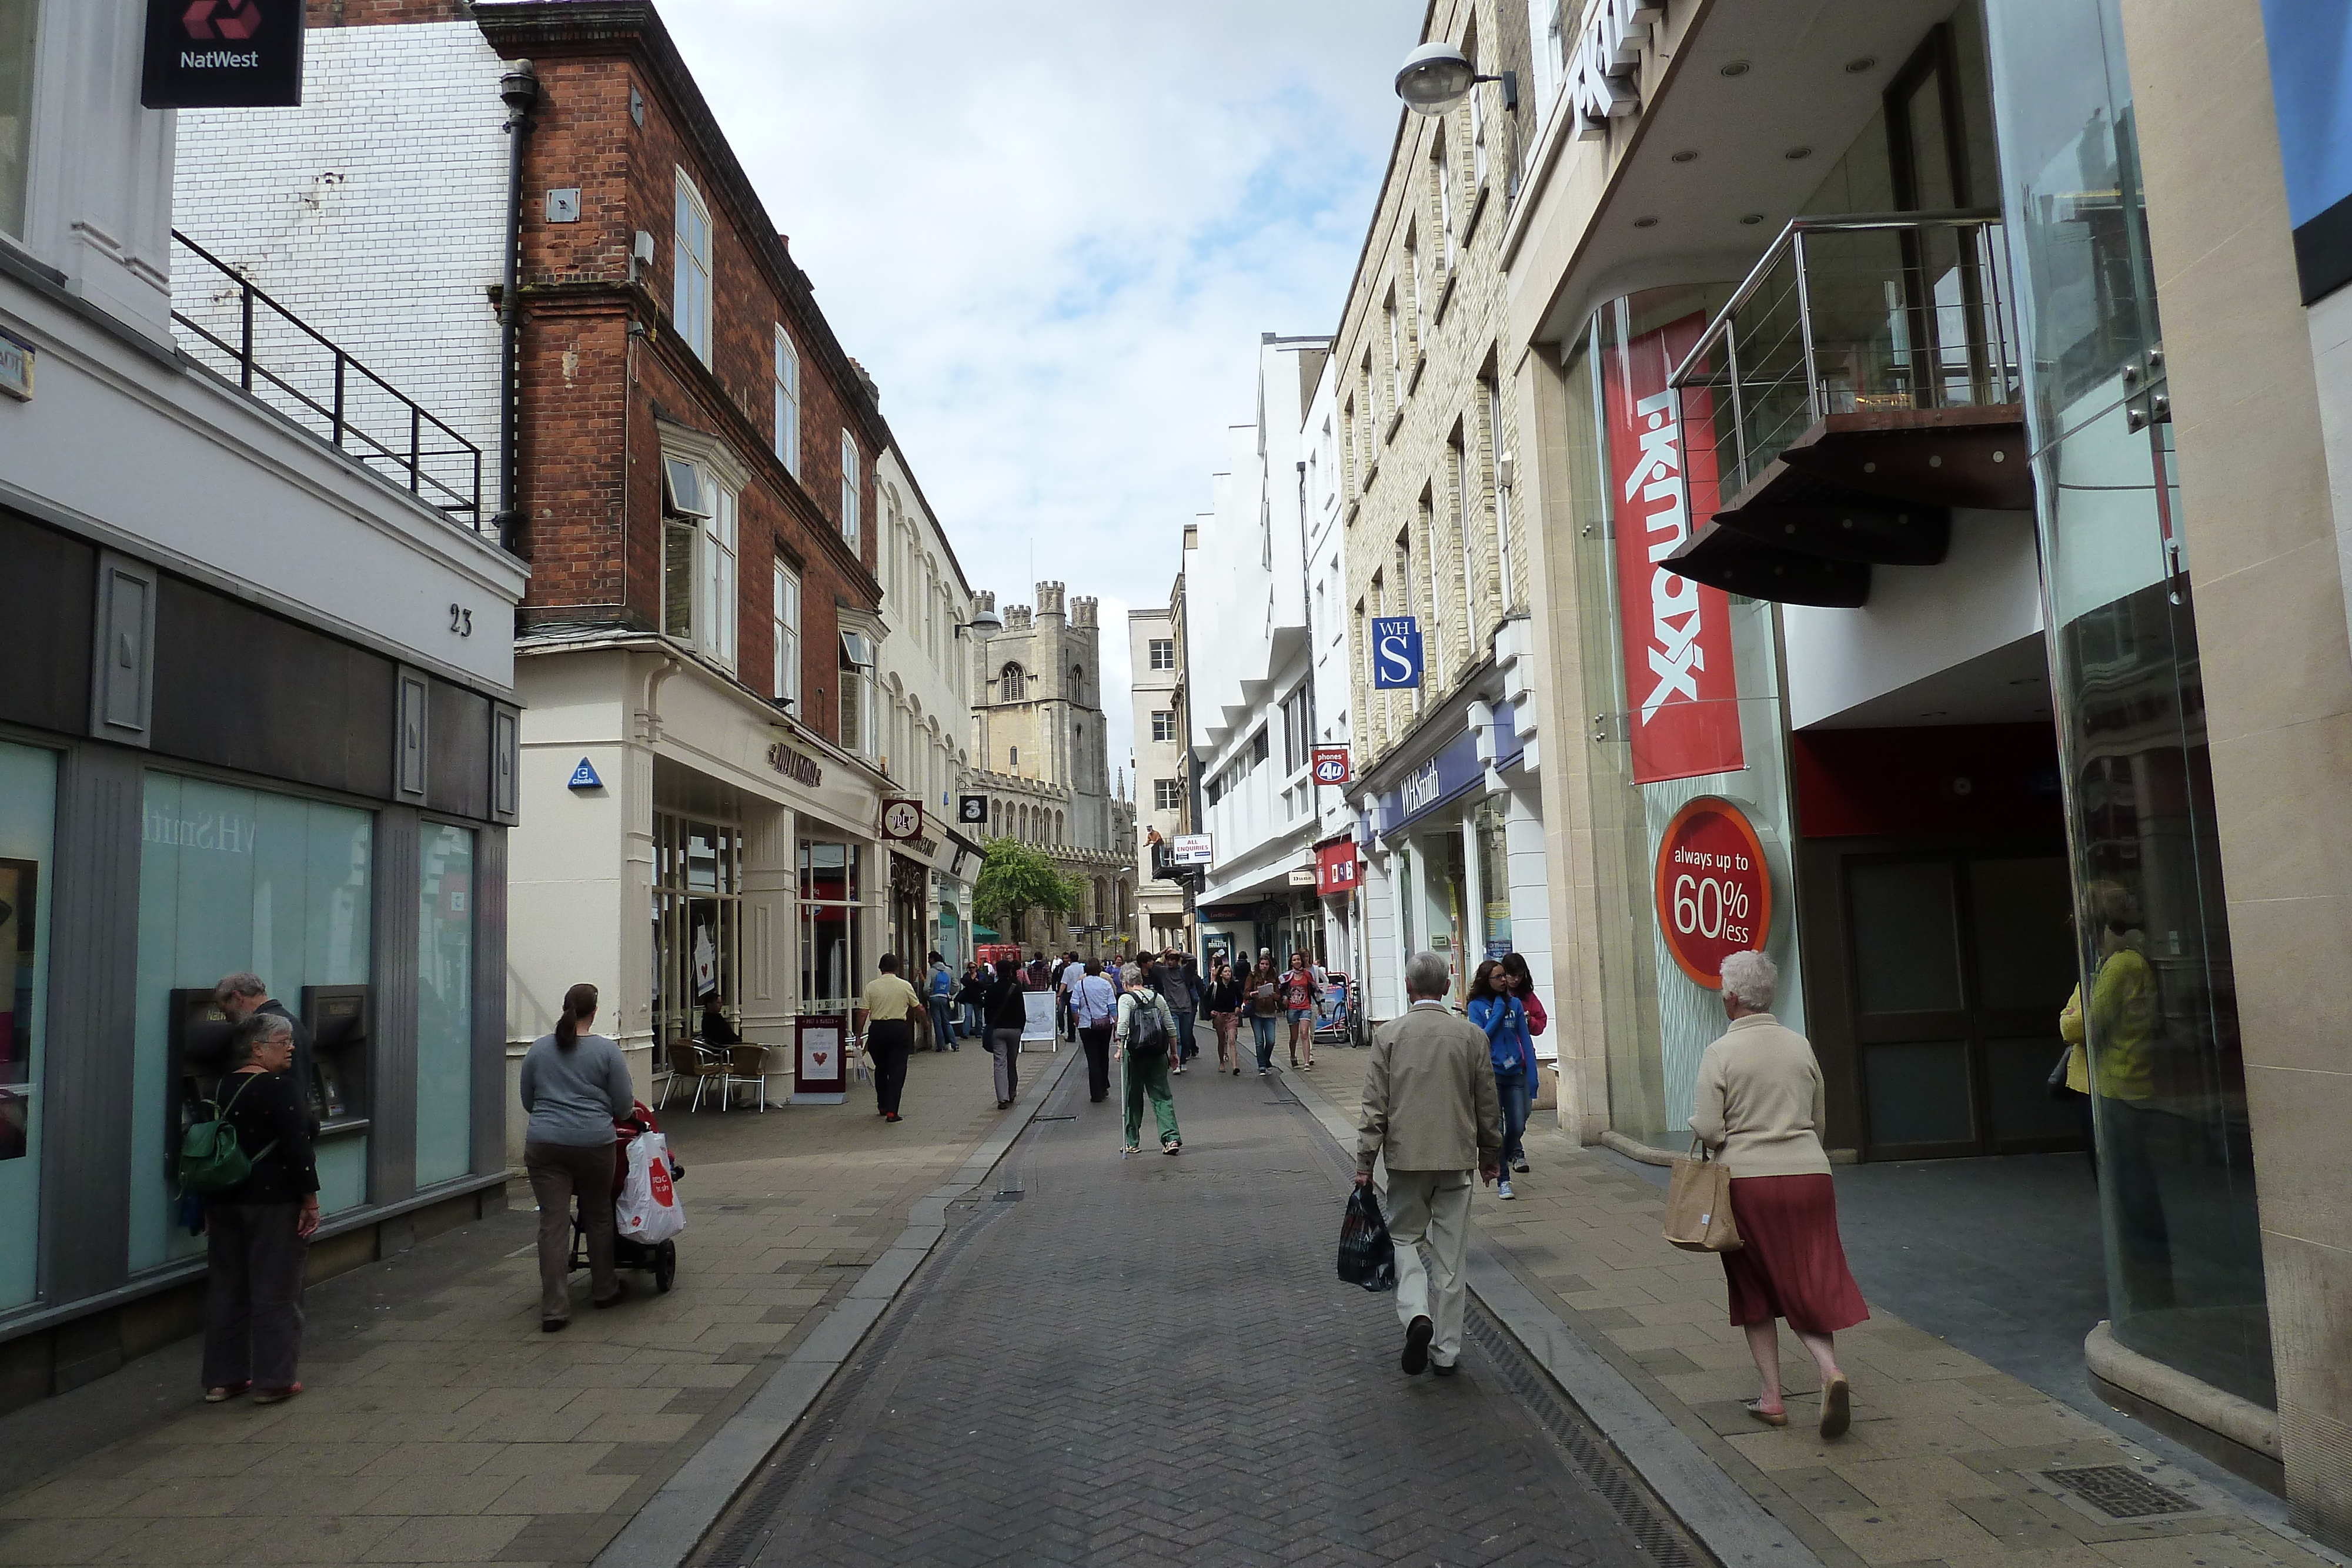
(2121, 1492)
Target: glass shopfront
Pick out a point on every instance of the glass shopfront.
(231, 880)
(830, 888)
(29, 783)
(697, 914)
(445, 1004)
(1687, 682)
(2176, 1171)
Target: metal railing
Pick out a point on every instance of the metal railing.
(1847, 315)
(247, 336)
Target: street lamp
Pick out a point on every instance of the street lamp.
(1437, 77)
(988, 623)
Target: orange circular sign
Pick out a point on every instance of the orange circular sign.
(1713, 891)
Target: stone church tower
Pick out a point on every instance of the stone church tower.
(1037, 709)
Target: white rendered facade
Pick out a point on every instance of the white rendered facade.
(1253, 723)
(1155, 651)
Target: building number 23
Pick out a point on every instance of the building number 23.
(461, 620)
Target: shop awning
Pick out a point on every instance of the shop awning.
(984, 932)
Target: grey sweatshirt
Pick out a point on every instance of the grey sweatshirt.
(574, 1096)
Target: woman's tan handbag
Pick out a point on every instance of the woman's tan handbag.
(1698, 1204)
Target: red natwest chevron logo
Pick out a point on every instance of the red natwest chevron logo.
(234, 20)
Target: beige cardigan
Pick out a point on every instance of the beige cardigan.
(1760, 1101)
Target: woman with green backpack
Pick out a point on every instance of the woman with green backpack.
(258, 1220)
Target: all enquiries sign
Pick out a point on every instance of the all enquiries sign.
(223, 53)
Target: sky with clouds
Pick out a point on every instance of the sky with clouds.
(1053, 231)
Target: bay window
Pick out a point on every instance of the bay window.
(698, 590)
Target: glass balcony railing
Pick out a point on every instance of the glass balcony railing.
(1856, 315)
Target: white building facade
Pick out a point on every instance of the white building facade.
(1162, 771)
(257, 714)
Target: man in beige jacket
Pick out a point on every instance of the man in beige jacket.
(1429, 1106)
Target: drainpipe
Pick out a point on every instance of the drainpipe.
(519, 89)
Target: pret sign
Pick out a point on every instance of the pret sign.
(1714, 893)
(820, 1073)
(223, 53)
(1331, 765)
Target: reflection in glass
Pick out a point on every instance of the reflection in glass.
(27, 825)
(445, 1003)
(698, 914)
(1905, 945)
(829, 909)
(2176, 1175)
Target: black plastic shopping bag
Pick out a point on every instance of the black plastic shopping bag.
(1367, 1256)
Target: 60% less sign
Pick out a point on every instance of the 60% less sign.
(1714, 890)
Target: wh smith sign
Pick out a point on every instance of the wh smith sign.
(1679, 681)
(223, 53)
(1396, 654)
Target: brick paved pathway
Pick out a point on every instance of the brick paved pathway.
(1150, 1361)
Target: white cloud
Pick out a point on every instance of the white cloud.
(1053, 231)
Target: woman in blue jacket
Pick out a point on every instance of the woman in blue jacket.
(1504, 1019)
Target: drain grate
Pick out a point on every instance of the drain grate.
(1010, 1194)
(2121, 1492)
(1052, 1118)
(1602, 1468)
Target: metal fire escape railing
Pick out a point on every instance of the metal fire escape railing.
(1850, 315)
(274, 355)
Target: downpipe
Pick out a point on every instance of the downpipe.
(518, 88)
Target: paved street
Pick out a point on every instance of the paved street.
(1150, 1361)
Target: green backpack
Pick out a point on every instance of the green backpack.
(212, 1161)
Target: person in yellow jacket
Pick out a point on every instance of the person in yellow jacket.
(2112, 1060)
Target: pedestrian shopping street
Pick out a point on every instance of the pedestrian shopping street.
(980, 1338)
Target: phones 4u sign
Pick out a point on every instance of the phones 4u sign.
(223, 53)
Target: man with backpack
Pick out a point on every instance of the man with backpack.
(1143, 1041)
(939, 997)
(1094, 1004)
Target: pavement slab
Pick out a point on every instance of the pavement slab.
(1945, 1462)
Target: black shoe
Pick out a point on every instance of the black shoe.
(1520, 1166)
(553, 1325)
(612, 1301)
(1446, 1369)
(1416, 1346)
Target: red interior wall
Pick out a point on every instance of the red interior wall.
(1858, 783)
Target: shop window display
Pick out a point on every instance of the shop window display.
(231, 880)
(27, 813)
(698, 914)
(445, 1004)
(830, 888)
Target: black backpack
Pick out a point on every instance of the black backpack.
(1146, 1034)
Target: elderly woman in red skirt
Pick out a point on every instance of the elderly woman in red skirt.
(1760, 1103)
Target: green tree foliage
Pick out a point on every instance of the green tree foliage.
(1016, 878)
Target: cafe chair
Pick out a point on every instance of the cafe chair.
(686, 1062)
(747, 1066)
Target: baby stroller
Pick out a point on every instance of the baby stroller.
(628, 1253)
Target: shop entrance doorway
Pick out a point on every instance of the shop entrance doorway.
(1959, 962)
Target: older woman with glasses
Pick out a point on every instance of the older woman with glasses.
(257, 1233)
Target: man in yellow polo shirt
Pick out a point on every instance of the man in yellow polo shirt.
(887, 1015)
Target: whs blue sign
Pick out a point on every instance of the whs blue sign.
(1396, 654)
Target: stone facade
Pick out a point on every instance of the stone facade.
(1162, 761)
(1037, 709)
(1425, 406)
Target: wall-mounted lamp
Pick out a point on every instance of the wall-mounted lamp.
(988, 623)
(1437, 77)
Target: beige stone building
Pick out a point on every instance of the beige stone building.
(1041, 746)
(1163, 771)
(1926, 415)
(1446, 770)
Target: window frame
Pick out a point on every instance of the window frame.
(787, 433)
(702, 508)
(691, 271)
(1153, 654)
(785, 627)
(851, 492)
(1168, 794)
(1163, 723)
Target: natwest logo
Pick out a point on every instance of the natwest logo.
(234, 20)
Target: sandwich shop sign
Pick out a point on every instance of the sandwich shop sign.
(223, 53)
(1603, 60)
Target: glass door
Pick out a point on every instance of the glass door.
(27, 814)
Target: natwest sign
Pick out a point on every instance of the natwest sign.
(1679, 680)
(1337, 869)
(1713, 891)
(223, 53)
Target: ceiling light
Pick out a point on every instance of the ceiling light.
(1751, 217)
(1646, 223)
(1854, 68)
(1687, 155)
(1797, 154)
(1732, 68)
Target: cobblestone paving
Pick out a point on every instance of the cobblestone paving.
(1150, 1361)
